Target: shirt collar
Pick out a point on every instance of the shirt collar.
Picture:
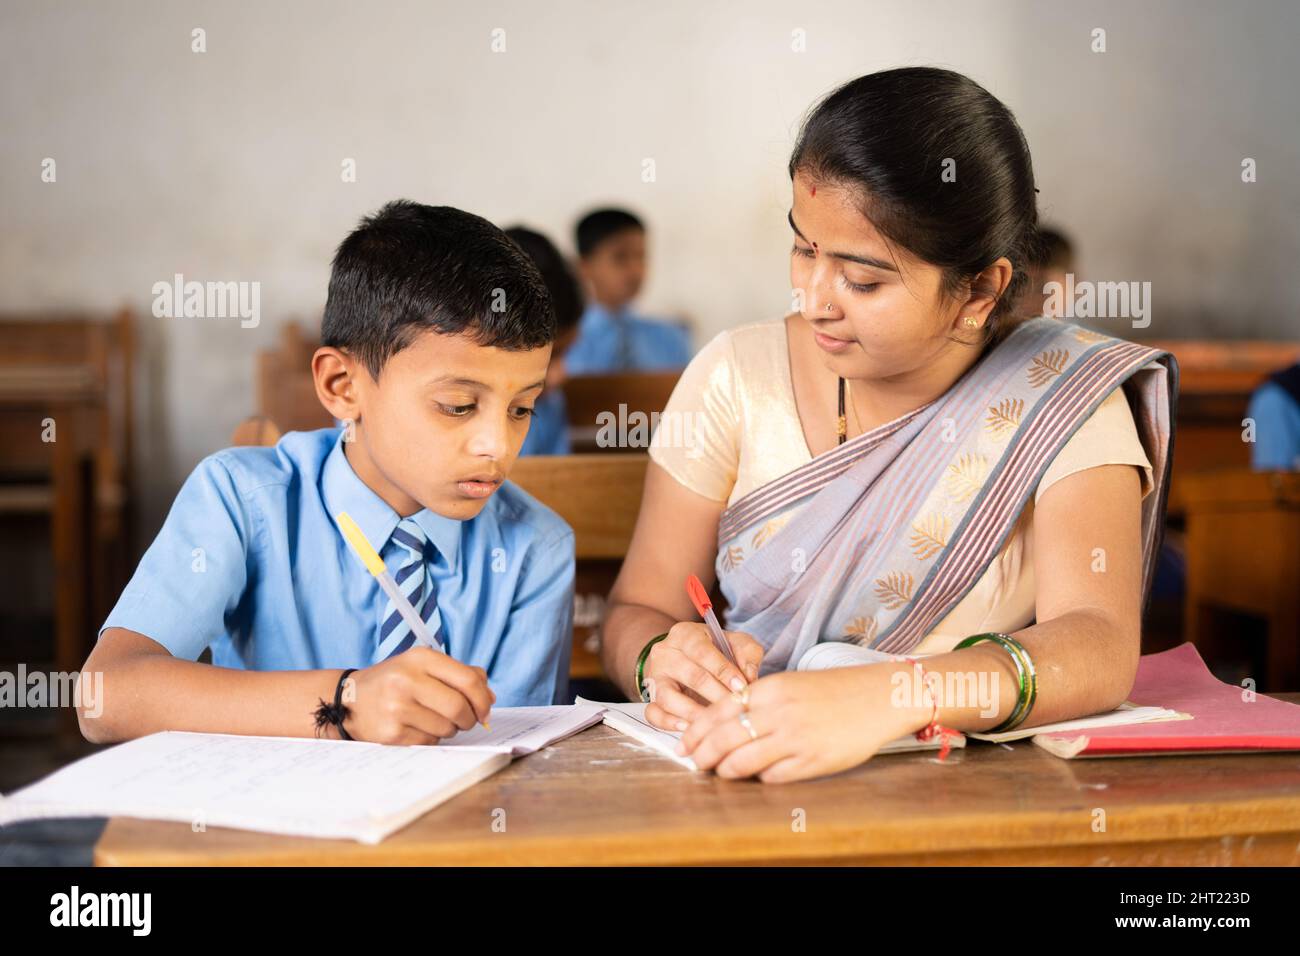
(342, 490)
(598, 315)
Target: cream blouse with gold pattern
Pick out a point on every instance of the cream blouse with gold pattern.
(738, 393)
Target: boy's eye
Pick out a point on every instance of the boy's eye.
(456, 410)
(523, 412)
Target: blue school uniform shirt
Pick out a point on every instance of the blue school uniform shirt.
(548, 432)
(251, 563)
(1277, 429)
(624, 342)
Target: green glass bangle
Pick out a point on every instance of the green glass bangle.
(1027, 675)
(1028, 662)
(640, 665)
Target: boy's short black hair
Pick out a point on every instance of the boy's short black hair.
(597, 226)
(566, 296)
(411, 267)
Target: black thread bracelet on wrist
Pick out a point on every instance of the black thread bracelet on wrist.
(335, 713)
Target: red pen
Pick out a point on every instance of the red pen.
(700, 598)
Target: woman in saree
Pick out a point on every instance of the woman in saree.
(901, 463)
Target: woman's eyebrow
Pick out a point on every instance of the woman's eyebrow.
(846, 256)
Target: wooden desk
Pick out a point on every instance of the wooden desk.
(601, 799)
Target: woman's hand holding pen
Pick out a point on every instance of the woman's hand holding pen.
(802, 724)
(685, 672)
(417, 697)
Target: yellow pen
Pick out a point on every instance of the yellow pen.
(362, 548)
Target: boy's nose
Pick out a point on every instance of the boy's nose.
(492, 438)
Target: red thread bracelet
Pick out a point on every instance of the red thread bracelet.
(933, 728)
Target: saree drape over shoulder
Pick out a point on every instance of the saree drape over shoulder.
(877, 540)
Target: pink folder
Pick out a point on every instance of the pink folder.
(1224, 719)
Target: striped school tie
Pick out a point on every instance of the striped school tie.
(416, 583)
(624, 361)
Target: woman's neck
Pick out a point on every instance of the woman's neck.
(880, 400)
(872, 401)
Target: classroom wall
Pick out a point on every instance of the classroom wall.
(225, 165)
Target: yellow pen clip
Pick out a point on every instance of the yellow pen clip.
(354, 537)
(357, 540)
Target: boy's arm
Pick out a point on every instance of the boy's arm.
(150, 690)
(190, 581)
(419, 697)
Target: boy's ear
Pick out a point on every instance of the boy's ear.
(334, 373)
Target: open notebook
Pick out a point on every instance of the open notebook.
(630, 720)
(289, 785)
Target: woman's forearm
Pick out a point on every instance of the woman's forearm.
(1085, 663)
(624, 633)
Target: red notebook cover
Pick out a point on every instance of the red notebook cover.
(1224, 718)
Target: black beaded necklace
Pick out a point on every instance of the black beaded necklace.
(842, 424)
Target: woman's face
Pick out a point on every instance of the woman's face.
(876, 310)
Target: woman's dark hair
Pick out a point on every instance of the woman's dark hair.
(887, 136)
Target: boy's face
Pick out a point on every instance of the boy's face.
(615, 269)
(443, 424)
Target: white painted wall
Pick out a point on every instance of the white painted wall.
(226, 164)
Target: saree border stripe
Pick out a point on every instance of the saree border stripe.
(989, 521)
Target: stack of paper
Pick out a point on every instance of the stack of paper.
(298, 786)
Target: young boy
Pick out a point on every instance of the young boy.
(549, 432)
(611, 338)
(436, 338)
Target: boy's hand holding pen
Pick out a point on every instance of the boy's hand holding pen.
(422, 695)
(697, 664)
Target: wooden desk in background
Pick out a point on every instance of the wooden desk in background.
(70, 397)
(599, 798)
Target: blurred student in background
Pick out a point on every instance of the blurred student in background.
(611, 337)
(1051, 262)
(548, 434)
(1275, 409)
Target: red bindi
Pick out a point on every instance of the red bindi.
(814, 191)
(814, 247)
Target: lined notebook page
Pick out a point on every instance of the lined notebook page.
(298, 786)
(524, 730)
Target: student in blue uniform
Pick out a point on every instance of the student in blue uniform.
(549, 432)
(436, 339)
(1275, 409)
(611, 336)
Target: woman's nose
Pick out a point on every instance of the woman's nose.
(817, 293)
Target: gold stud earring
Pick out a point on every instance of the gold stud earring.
(971, 321)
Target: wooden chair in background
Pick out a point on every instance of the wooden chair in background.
(1215, 382)
(589, 396)
(286, 393)
(70, 378)
(1243, 555)
(599, 495)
